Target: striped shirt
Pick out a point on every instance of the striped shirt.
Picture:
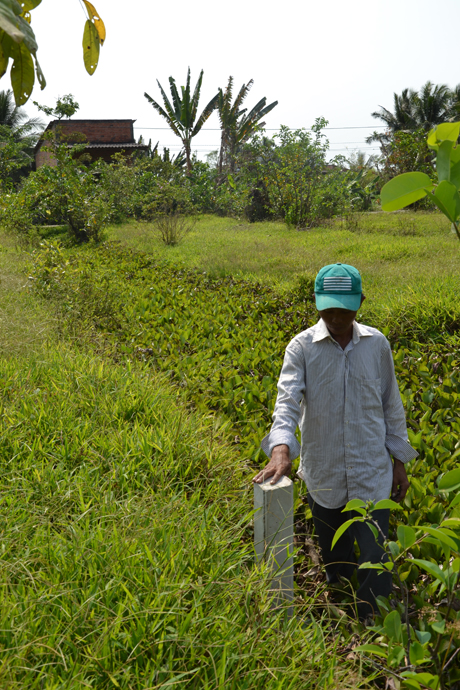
(350, 412)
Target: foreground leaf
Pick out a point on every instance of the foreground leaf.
(450, 481)
(392, 625)
(98, 23)
(406, 536)
(343, 528)
(22, 74)
(9, 19)
(447, 199)
(404, 189)
(90, 47)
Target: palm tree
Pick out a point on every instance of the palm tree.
(237, 126)
(433, 104)
(181, 115)
(16, 119)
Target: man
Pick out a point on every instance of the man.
(338, 380)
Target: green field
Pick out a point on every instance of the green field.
(134, 392)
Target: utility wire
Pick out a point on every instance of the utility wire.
(273, 129)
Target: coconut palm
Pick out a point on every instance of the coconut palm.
(181, 114)
(237, 124)
(16, 118)
(433, 104)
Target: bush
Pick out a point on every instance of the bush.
(63, 194)
(292, 178)
(172, 228)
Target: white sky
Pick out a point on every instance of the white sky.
(336, 59)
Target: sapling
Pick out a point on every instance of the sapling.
(407, 188)
(413, 644)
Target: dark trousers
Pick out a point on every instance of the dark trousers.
(341, 561)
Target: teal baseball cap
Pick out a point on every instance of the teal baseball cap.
(338, 286)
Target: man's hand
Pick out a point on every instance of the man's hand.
(278, 466)
(400, 481)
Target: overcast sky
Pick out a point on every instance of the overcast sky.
(335, 59)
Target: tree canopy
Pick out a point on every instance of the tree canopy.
(412, 110)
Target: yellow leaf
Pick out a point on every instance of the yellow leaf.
(98, 23)
(90, 47)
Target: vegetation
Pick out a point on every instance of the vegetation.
(403, 190)
(432, 105)
(237, 125)
(182, 114)
(98, 476)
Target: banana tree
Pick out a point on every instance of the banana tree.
(181, 114)
(407, 188)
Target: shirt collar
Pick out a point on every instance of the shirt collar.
(321, 332)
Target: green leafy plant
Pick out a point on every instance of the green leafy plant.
(420, 648)
(407, 188)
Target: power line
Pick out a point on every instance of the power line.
(273, 129)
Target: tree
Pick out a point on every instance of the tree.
(65, 107)
(18, 136)
(181, 115)
(433, 104)
(237, 126)
(16, 118)
(17, 41)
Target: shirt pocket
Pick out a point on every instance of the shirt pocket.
(371, 399)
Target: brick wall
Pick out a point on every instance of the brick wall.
(99, 131)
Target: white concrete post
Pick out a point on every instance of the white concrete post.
(274, 533)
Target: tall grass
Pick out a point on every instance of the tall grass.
(126, 559)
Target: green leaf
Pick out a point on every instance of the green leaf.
(91, 47)
(404, 190)
(416, 653)
(392, 625)
(439, 627)
(22, 74)
(450, 481)
(431, 569)
(441, 536)
(412, 684)
(354, 504)
(372, 566)
(427, 679)
(406, 536)
(343, 528)
(423, 635)
(5, 51)
(443, 160)
(387, 504)
(394, 548)
(447, 199)
(372, 649)
(455, 175)
(9, 19)
(447, 131)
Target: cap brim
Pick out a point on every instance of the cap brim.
(351, 302)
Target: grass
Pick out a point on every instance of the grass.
(25, 324)
(391, 250)
(126, 549)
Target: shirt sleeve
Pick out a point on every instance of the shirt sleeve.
(396, 439)
(291, 389)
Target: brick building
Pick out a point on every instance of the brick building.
(103, 138)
